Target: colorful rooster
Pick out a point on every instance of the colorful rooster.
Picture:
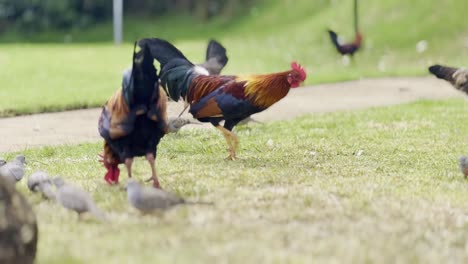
(134, 119)
(221, 98)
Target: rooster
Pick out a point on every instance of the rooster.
(215, 99)
(134, 119)
(216, 58)
(347, 48)
(458, 77)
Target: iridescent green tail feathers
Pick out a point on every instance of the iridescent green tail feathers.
(176, 72)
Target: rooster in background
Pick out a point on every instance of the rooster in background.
(458, 77)
(134, 119)
(221, 98)
(348, 48)
(216, 58)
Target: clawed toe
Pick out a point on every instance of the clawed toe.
(157, 185)
(231, 157)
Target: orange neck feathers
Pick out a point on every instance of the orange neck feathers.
(357, 39)
(265, 90)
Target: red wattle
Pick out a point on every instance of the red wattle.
(108, 176)
(113, 173)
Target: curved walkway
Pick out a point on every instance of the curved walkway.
(71, 127)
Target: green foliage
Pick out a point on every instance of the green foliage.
(33, 15)
(375, 186)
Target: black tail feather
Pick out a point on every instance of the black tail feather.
(146, 62)
(162, 50)
(216, 50)
(334, 38)
(216, 58)
(176, 69)
(443, 72)
(138, 87)
(127, 79)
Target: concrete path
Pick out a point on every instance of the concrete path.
(71, 127)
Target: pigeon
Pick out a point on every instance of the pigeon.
(13, 170)
(76, 199)
(40, 181)
(176, 123)
(148, 200)
(464, 165)
(18, 227)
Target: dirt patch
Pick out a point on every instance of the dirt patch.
(71, 127)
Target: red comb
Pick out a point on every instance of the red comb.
(296, 67)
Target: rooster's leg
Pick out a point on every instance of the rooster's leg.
(235, 141)
(150, 158)
(128, 164)
(231, 140)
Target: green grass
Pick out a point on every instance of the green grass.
(373, 186)
(46, 77)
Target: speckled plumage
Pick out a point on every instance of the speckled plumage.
(13, 170)
(40, 181)
(463, 162)
(148, 200)
(18, 227)
(76, 199)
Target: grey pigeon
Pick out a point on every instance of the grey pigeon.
(148, 200)
(18, 227)
(40, 181)
(176, 123)
(13, 171)
(464, 165)
(76, 199)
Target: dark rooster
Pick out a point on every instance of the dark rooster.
(347, 48)
(134, 119)
(458, 77)
(216, 98)
(216, 58)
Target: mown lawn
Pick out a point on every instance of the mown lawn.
(373, 186)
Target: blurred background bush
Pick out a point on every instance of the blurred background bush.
(39, 15)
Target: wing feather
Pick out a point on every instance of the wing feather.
(209, 108)
(226, 100)
(202, 86)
